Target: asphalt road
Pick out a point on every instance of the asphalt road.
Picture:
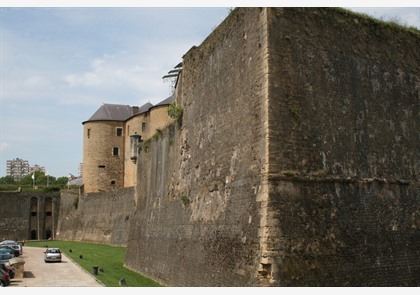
(37, 273)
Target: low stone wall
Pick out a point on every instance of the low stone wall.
(102, 217)
(21, 212)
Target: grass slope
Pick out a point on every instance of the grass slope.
(108, 258)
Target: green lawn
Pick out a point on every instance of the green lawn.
(109, 260)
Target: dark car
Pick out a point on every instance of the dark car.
(5, 257)
(16, 252)
(14, 245)
(10, 270)
(4, 278)
(7, 250)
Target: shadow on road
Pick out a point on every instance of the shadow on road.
(28, 275)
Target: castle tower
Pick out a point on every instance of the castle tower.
(103, 148)
(136, 125)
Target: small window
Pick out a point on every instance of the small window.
(101, 166)
(88, 133)
(33, 213)
(48, 213)
(143, 127)
(119, 131)
(115, 151)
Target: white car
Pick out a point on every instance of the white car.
(52, 255)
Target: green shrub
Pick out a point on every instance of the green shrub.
(175, 112)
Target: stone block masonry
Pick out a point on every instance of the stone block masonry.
(28, 215)
(344, 161)
(296, 163)
(102, 217)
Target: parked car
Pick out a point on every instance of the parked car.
(5, 257)
(7, 250)
(17, 248)
(6, 242)
(10, 247)
(13, 244)
(10, 270)
(4, 279)
(52, 255)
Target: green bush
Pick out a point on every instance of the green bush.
(175, 112)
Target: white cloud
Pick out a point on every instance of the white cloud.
(60, 65)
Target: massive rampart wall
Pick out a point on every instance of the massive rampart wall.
(102, 217)
(296, 163)
(197, 221)
(344, 155)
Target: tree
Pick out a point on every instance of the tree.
(62, 181)
(40, 179)
(7, 180)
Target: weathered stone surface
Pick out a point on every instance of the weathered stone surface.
(28, 215)
(102, 217)
(297, 161)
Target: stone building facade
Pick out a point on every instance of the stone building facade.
(107, 142)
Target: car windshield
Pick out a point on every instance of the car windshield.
(53, 251)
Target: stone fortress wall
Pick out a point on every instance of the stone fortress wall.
(28, 215)
(296, 163)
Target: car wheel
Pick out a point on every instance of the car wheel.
(3, 284)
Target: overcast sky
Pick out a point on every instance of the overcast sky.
(60, 64)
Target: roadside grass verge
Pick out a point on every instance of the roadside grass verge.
(108, 259)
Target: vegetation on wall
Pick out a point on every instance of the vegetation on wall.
(294, 112)
(175, 112)
(185, 200)
(392, 23)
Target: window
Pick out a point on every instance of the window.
(143, 127)
(115, 151)
(88, 133)
(49, 213)
(119, 131)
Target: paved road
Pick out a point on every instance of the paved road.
(37, 273)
